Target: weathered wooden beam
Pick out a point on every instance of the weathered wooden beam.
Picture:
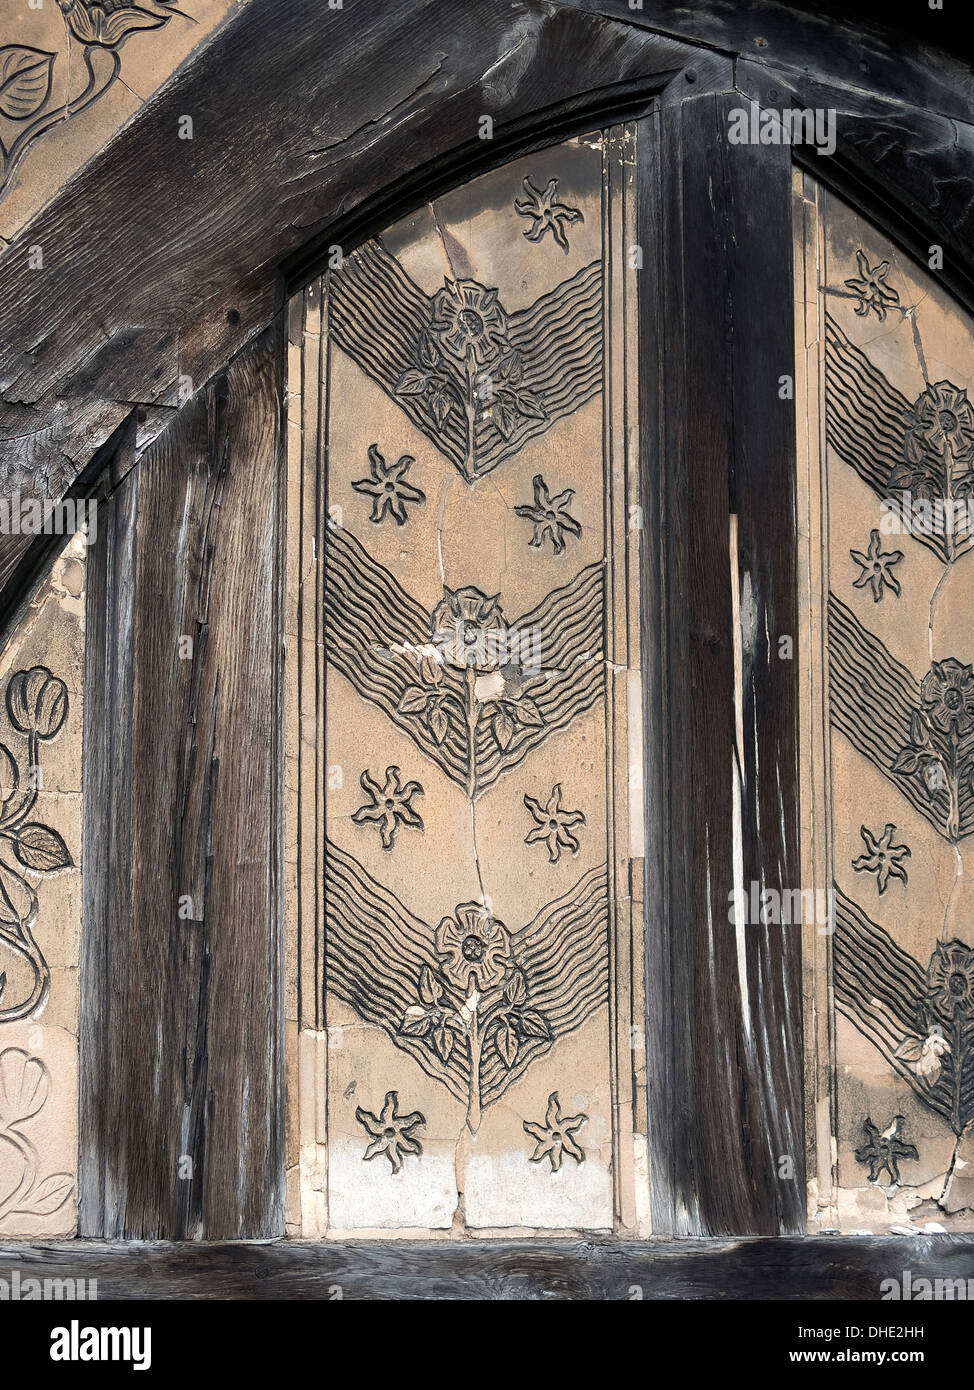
(160, 260)
(182, 1092)
(816, 1267)
(723, 1010)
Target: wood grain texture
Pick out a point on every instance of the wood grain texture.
(723, 1003)
(182, 1005)
(165, 263)
(336, 149)
(811, 1268)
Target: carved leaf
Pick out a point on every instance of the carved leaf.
(411, 383)
(907, 761)
(48, 1195)
(516, 990)
(502, 416)
(416, 1022)
(503, 727)
(505, 1040)
(443, 1040)
(40, 848)
(413, 699)
(532, 1025)
(528, 713)
(430, 989)
(530, 404)
(25, 81)
(438, 723)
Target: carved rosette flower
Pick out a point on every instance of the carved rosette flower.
(468, 321)
(941, 419)
(474, 948)
(947, 692)
(949, 988)
(469, 629)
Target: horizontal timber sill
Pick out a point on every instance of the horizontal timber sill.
(790, 1268)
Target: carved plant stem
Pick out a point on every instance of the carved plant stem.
(471, 713)
(470, 410)
(475, 1045)
(29, 1160)
(96, 86)
(949, 502)
(953, 792)
(957, 1062)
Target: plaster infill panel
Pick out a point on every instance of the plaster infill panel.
(461, 743)
(40, 905)
(887, 512)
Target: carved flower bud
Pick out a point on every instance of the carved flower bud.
(37, 702)
(24, 1084)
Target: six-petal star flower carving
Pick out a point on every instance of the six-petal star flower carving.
(553, 824)
(549, 516)
(556, 1137)
(546, 213)
(391, 805)
(870, 287)
(391, 1133)
(882, 1150)
(387, 486)
(882, 857)
(877, 567)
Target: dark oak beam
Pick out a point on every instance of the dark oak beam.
(817, 1267)
(181, 1116)
(160, 259)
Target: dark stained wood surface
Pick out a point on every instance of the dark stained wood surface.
(173, 286)
(181, 990)
(816, 1267)
(723, 1006)
(164, 260)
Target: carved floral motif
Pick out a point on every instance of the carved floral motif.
(463, 362)
(477, 999)
(556, 1136)
(390, 1133)
(882, 1151)
(25, 1084)
(546, 213)
(37, 706)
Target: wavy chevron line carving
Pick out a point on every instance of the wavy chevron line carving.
(897, 446)
(876, 702)
(536, 982)
(922, 1021)
(381, 640)
(527, 369)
